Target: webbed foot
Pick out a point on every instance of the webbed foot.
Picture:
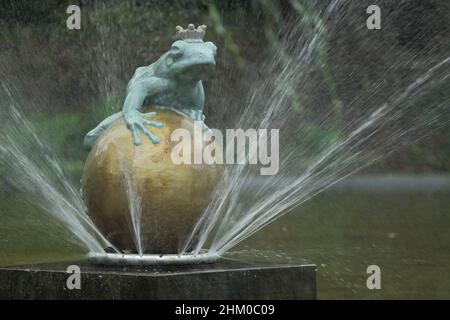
(199, 116)
(136, 122)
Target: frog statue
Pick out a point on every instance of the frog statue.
(172, 82)
(131, 153)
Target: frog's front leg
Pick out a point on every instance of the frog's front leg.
(196, 112)
(134, 119)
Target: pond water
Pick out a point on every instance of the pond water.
(405, 234)
(343, 232)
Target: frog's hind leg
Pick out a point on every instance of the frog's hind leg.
(92, 136)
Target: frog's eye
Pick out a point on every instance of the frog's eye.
(177, 50)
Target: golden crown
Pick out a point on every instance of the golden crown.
(191, 33)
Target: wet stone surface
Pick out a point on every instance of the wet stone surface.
(222, 280)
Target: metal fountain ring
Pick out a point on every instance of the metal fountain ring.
(134, 259)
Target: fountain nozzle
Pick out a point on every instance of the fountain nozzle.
(134, 259)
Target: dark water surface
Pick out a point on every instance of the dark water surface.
(405, 234)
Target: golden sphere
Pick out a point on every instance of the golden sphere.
(172, 197)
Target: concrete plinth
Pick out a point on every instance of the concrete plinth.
(223, 280)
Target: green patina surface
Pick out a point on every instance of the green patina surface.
(173, 81)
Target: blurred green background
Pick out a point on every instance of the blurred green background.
(76, 78)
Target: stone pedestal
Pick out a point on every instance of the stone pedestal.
(222, 280)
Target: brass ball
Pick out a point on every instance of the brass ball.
(172, 196)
